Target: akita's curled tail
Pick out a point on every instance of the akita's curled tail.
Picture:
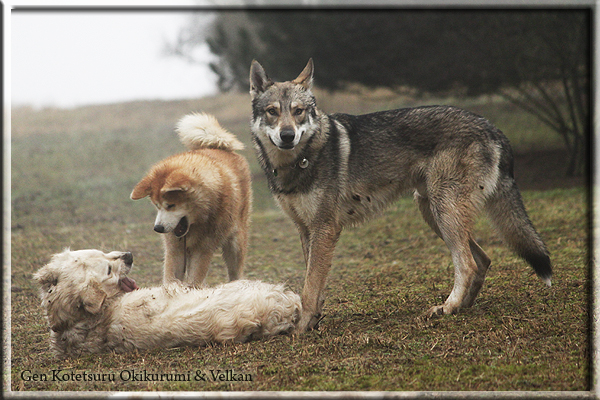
(202, 131)
(507, 212)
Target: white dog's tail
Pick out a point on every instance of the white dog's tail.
(202, 131)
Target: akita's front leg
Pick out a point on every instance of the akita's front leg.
(234, 254)
(174, 266)
(198, 264)
(319, 246)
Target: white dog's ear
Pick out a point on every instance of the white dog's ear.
(259, 81)
(305, 78)
(93, 297)
(46, 276)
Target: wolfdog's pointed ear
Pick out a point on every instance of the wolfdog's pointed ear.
(306, 76)
(93, 297)
(142, 189)
(259, 81)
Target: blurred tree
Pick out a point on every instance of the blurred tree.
(235, 41)
(231, 36)
(538, 59)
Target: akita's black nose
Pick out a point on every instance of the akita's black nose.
(287, 135)
(159, 228)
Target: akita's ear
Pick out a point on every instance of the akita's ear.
(174, 190)
(259, 81)
(177, 183)
(305, 78)
(142, 189)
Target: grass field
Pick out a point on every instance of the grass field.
(73, 170)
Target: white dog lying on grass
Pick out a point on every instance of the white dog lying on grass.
(93, 307)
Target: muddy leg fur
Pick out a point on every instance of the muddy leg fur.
(321, 244)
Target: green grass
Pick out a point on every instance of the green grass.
(73, 170)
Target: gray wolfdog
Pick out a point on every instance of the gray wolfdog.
(331, 171)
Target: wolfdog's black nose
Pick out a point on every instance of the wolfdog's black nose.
(287, 135)
(159, 228)
(127, 258)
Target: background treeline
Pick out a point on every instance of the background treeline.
(538, 59)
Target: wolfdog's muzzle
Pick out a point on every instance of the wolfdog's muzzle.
(287, 137)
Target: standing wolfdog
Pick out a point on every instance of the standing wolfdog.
(330, 171)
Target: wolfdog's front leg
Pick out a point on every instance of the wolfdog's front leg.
(320, 246)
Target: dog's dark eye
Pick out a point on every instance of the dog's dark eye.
(170, 206)
(298, 111)
(109, 269)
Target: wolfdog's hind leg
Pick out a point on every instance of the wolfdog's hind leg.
(425, 208)
(467, 282)
(483, 262)
(481, 259)
(470, 261)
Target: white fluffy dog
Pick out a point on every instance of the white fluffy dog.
(93, 307)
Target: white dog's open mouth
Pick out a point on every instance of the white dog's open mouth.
(128, 284)
(182, 227)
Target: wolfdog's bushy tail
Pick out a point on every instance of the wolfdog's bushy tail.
(507, 212)
(202, 131)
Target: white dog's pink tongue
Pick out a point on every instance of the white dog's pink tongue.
(128, 284)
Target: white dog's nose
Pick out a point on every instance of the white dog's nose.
(159, 228)
(127, 258)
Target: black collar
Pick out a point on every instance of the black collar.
(302, 164)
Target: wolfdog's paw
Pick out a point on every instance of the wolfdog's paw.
(437, 311)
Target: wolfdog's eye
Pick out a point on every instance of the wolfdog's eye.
(109, 269)
(272, 111)
(298, 111)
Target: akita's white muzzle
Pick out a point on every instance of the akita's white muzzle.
(171, 222)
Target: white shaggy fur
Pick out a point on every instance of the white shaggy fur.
(92, 307)
(202, 131)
